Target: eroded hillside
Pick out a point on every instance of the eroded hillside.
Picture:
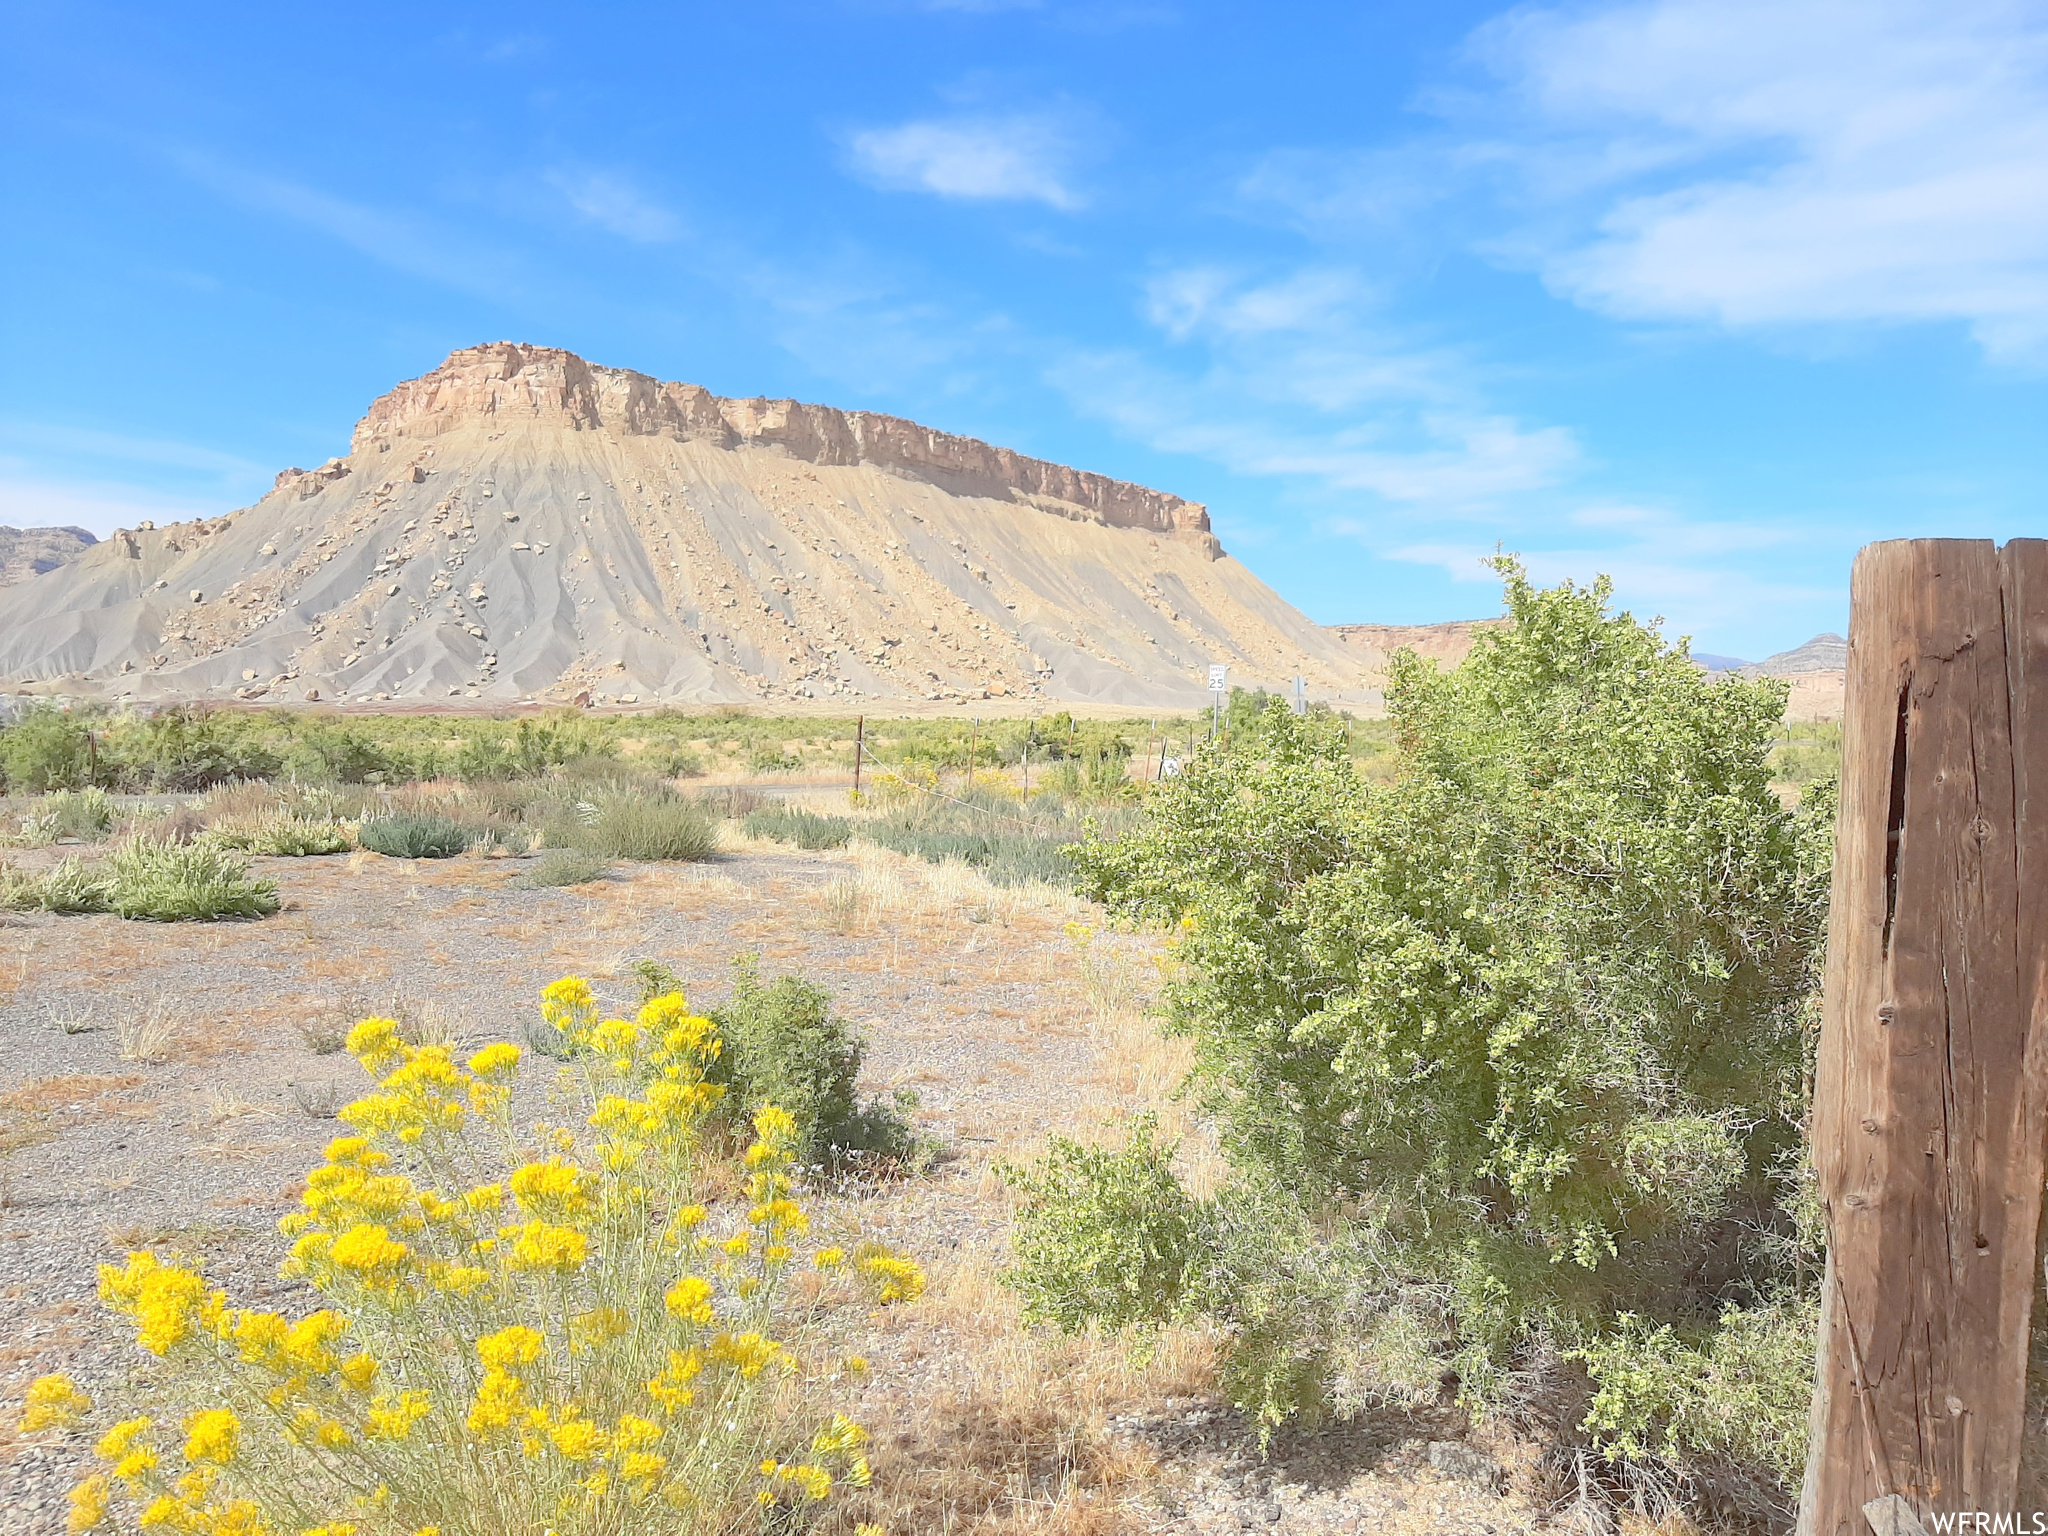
(522, 525)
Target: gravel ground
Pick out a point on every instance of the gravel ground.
(971, 997)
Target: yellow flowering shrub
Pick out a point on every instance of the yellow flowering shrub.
(573, 1328)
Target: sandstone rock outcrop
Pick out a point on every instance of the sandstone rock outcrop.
(520, 524)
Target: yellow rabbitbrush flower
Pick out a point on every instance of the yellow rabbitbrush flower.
(571, 1348)
(670, 1387)
(556, 1189)
(510, 1347)
(541, 1245)
(167, 1301)
(392, 1417)
(54, 1402)
(376, 1043)
(88, 1504)
(893, 1277)
(369, 1254)
(125, 1447)
(750, 1353)
(214, 1435)
(495, 1062)
(690, 1299)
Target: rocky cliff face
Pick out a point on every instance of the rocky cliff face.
(27, 552)
(514, 387)
(1448, 643)
(521, 525)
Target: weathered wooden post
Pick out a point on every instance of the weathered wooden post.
(1931, 1095)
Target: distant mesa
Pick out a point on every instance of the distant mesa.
(27, 552)
(520, 525)
(1449, 642)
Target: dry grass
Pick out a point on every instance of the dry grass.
(224, 1104)
(148, 1032)
(1022, 1443)
(37, 1110)
(321, 1099)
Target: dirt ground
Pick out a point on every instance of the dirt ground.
(1008, 1012)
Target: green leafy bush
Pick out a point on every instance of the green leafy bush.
(187, 747)
(564, 866)
(785, 1045)
(1105, 1235)
(806, 829)
(414, 835)
(43, 749)
(1737, 1392)
(1519, 1031)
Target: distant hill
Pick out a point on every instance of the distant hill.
(27, 552)
(1823, 653)
(520, 524)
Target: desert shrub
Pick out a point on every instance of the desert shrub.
(1108, 1236)
(807, 829)
(147, 879)
(414, 835)
(187, 747)
(641, 826)
(598, 1338)
(1522, 1029)
(564, 866)
(1008, 856)
(68, 886)
(279, 834)
(774, 759)
(785, 1045)
(322, 752)
(84, 814)
(45, 748)
(675, 762)
(1736, 1392)
(1807, 753)
(184, 882)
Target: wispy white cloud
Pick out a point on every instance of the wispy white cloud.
(52, 474)
(612, 202)
(1296, 378)
(1828, 160)
(1743, 163)
(406, 242)
(1702, 570)
(1023, 157)
(50, 439)
(28, 501)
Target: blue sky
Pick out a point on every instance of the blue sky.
(1700, 293)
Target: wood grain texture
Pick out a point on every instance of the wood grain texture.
(1929, 1107)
